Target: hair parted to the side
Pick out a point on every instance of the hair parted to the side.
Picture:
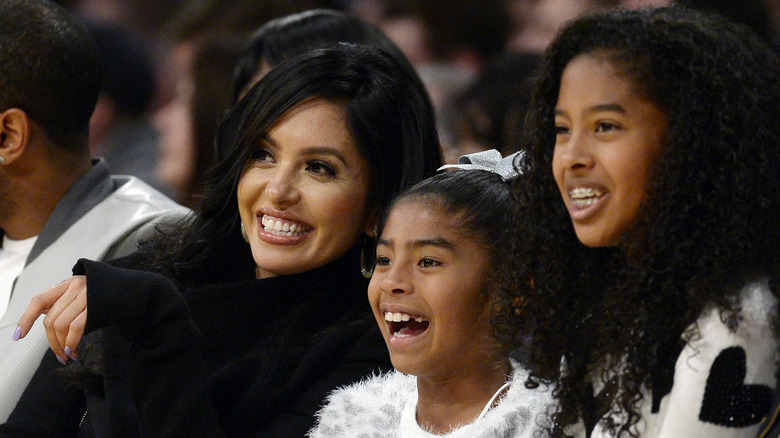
(708, 228)
(51, 68)
(388, 114)
(291, 35)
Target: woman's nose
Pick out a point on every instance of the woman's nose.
(282, 188)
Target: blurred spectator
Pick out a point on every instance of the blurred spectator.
(489, 113)
(537, 21)
(752, 13)
(188, 122)
(143, 17)
(448, 42)
(120, 130)
(294, 34)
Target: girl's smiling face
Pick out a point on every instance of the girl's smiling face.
(428, 292)
(608, 140)
(303, 197)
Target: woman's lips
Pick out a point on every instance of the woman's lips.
(281, 231)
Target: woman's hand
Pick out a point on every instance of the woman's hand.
(65, 306)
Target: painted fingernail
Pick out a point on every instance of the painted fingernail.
(61, 359)
(69, 353)
(17, 333)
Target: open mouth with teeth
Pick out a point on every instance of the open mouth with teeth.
(403, 325)
(283, 227)
(583, 197)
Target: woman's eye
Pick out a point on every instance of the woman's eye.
(321, 168)
(382, 261)
(262, 154)
(427, 262)
(606, 127)
(561, 130)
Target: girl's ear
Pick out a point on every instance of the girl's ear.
(372, 224)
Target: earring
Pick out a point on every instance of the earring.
(243, 233)
(366, 269)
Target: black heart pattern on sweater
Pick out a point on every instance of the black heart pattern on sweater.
(728, 401)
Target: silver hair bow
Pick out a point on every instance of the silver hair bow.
(490, 160)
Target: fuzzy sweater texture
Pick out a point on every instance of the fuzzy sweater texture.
(385, 406)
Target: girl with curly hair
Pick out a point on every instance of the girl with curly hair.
(647, 268)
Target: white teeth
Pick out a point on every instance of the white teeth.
(584, 196)
(584, 192)
(282, 228)
(398, 317)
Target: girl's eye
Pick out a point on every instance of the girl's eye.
(561, 130)
(382, 261)
(427, 262)
(321, 168)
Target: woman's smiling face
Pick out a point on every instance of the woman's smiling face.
(608, 141)
(429, 294)
(303, 196)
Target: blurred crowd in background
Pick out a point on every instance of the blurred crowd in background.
(170, 67)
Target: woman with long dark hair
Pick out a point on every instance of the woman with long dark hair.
(272, 313)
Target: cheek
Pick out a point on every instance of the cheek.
(246, 192)
(374, 291)
(557, 170)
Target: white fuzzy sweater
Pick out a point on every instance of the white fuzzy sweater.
(385, 406)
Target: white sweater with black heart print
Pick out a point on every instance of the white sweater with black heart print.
(724, 379)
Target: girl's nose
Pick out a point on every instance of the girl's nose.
(395, 281)
(575, 152)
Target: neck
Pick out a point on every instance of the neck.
(445, 403)
(34, 193)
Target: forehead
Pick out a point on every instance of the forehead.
(422, 218)
(597, 77)
(315, 121)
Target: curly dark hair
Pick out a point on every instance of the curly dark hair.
(709, 225)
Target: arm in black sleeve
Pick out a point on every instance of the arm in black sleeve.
(50, 406)
(165, 370)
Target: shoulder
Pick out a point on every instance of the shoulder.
(148, 209)
(725, 375)
(751, 328)
(366, 407)
(522, 412)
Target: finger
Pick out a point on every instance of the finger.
(39, 305)
(75, 334)
(62, 312)
(62, 319)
